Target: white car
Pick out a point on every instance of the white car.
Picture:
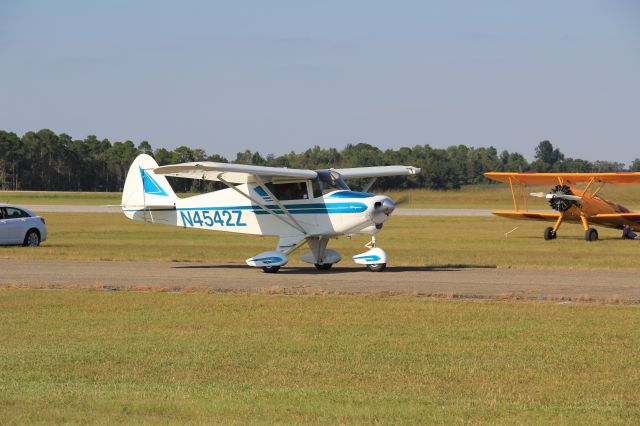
(21, 226)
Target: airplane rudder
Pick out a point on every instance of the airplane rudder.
(143, 187)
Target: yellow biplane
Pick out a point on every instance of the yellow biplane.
(570, 203)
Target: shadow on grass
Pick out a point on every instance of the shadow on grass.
(345, 270)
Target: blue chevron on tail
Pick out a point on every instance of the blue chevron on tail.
(150, 185)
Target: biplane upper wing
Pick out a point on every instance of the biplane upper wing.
(543, 216)
(233, 173)
(569, 178)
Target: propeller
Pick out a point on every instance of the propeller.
(560, 198)
(403, 199)
(382, 210)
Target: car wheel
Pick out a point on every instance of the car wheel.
(32, 239)
(378, 267)
(270, 269)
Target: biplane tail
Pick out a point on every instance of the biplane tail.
(143, 189)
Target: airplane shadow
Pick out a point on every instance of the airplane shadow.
(305, 270)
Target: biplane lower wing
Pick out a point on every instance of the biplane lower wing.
(612, 220)
(617, 220)
(542, 216)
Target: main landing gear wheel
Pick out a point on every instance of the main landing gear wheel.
(549, 234)
(378, 267)
(270, 269)
(323, 266)
(591, 234)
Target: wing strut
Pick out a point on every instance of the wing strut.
(369, 184)
(513, 195)
(294, 225)
(282, 207)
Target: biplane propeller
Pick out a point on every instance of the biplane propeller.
(560, 198)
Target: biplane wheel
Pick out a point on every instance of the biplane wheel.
(549, 234)
(378, 267)
(270, 269)
(323, 266)
(591, 234)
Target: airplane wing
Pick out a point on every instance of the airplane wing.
(543, 216)
(570, 178)
(233, 173)
(369, 172)
(241, 173)
(633, 217)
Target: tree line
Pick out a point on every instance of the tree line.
(46, 161)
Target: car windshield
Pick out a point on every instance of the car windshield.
(328, 181)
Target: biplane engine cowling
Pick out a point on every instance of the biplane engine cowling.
(558, 201)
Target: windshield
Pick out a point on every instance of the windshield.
(328, 181)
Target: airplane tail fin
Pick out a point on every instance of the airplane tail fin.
(144, 189)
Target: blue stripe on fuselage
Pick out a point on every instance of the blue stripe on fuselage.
(311, 208)
(351, 194)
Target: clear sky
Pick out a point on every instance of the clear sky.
(276, 76)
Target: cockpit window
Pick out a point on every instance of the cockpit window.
(289, 191)
(327, 181)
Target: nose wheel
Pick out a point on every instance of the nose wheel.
(375, 259)
(378, 267)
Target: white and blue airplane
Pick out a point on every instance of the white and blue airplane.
(298, 206)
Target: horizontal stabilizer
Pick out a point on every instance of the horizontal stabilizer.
(149, 208)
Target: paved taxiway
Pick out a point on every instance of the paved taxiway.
(443, 282)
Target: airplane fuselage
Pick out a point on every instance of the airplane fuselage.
(337, 213)
(593, 205)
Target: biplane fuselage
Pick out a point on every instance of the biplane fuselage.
(571, 203)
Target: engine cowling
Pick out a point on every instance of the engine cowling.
(558, 201)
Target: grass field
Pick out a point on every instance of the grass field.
(475, 196)
(418, 241)
(100, 357)
(77, 356)
(55, 197)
